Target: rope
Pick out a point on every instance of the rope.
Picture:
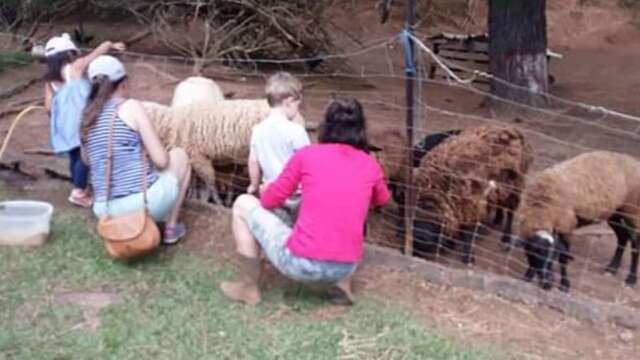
(474, 73)
(13, 125)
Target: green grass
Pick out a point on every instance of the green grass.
(14, 59)
(172, 309)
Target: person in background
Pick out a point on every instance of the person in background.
(66, 90)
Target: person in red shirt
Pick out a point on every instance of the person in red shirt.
(339, 182)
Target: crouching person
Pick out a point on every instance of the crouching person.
(112, 117)
(339, 182)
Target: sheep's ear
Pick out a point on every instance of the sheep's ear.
(517, 241)
(374, 148)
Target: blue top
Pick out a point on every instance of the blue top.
(126, 166)
(67, 105)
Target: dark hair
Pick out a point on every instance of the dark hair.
(56, 62)
(344, 123)
(101, 90)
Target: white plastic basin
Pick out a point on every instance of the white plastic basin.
(24, 223)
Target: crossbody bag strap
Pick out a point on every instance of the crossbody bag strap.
(145, 168)
(109, 161)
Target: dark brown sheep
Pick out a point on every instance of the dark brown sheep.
(466, 179)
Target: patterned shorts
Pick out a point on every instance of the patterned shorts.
(288, 212)
(272, 234)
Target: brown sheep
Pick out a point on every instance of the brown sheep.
(591, 187)
(389, 147)
(465, 179)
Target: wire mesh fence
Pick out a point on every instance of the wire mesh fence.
(445, 232)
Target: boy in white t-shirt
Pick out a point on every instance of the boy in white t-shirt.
(276, 138)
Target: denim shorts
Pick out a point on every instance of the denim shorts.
(162, 197)
(272, 234)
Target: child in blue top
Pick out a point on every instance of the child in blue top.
(66, 91)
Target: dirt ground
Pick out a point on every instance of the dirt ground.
(599, 56)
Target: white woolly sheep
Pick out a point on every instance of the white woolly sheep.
(213, 134)
(196, 89)
(591, 187)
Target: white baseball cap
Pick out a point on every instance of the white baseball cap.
(108, 66)
(58, 44)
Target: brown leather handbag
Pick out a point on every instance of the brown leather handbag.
(130, 235)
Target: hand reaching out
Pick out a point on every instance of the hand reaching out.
(119, 46)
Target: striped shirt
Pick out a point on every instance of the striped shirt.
(126, 167)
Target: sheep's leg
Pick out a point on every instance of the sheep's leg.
(545, 275)
(196, 189)
(506, 236)
(215, 197)
(204, 169)
(400, 225)
(468, 242)
(632, 278)
(563, 259)
(497, 220)
(617, 224)
(531, 272)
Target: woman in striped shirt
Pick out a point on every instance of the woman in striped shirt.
(134, 140)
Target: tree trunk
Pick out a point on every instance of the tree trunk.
(517, 49)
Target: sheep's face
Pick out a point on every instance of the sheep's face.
(430, 226)
(428, 238)
(539, 249)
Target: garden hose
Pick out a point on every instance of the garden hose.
(14, 123)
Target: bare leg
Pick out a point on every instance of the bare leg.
(246, 244)
(245, 288)
(180, 168)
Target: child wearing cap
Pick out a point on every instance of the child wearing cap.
(65, 93)
(111, 114)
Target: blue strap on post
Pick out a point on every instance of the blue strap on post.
(406, 40)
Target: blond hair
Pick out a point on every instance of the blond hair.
(280, 86)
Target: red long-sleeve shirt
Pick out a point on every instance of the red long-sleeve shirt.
(339, 183)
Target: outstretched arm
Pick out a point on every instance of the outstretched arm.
(381, 192)
(48, 95)
(80, 65)
(277, 192)
(254, 172)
